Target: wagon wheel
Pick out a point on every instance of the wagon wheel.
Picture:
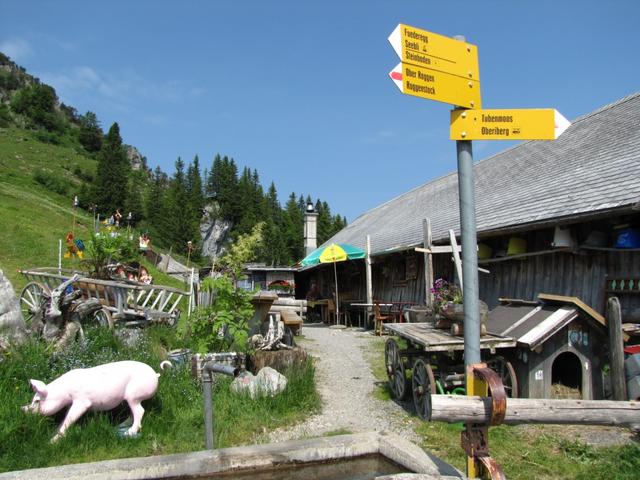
(395, 370)
(31, 300)
(507, 374)
(423, 385)
(103, 318)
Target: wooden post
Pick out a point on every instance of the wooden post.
(477, 409)
(369, 278)
(428, 262)
(614, 322)
(456, 258)
(166, 265)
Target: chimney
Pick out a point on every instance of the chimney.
(310, 229)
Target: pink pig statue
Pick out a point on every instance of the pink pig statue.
(99, 388)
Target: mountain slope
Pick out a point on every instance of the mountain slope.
(37, 185)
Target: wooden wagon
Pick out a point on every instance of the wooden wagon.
(128, 302)
(432, 362)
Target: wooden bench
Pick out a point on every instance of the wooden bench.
(292, 320)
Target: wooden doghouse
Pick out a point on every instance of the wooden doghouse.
(562, 346)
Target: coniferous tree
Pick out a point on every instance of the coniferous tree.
(213, 180)
(178, 227)
(293, 224)
(155, 200)
(90, 134)
(134, 205)
(274, 251)
(325, 223)
(194, 190)
(112, 174)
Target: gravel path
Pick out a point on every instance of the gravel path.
(346, 385)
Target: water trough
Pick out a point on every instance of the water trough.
(269, 461)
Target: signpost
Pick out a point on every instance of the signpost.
(446, 70)
(434, 85)
(436, 52)
(532, 124)
(436, 67)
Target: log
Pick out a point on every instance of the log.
(279, 360)
(473, 409)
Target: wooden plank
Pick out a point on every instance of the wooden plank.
(456, 259)
(474, 409)
(432, 339)
(437, 249)
(525, 255)
(577, 302)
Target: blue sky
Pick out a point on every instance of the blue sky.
(300, 90)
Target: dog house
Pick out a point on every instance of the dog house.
(562, 346)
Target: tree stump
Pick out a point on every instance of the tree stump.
(279, 360)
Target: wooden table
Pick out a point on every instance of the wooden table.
(323, 304)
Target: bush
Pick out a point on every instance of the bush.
(108, 248)
(223, 326)
(5, 116)
(48, 137)
(82, 175)
(51, 182)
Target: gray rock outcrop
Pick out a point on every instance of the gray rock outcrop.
(138, 162)
(214, 233)
(12, 326)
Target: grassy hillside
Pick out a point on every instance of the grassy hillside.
(37, 185)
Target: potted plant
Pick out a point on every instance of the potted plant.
(449, 309)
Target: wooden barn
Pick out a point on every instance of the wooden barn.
(560, 217)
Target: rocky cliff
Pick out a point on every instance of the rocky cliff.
(214, 233)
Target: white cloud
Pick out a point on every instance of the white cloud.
(381, 136)
(125, 86)
(16, 48)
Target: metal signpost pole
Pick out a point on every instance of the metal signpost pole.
(469, 253)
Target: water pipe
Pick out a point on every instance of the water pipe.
(207, 380)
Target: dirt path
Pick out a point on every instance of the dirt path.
(346, 385)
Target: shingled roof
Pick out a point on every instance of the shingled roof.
(592, 168)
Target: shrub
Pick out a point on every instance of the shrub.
(105, 249)
(51, 182)
(5, 116)
(224, 325)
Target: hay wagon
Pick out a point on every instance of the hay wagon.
(126, 302)
(435, 359)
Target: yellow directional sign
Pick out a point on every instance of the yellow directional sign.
(532, 124)
(435, 85)
(436, 52)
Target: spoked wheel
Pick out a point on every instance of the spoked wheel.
(31, 300)
(395, 370)
(507, 374)
(103, 318)
(423, 385)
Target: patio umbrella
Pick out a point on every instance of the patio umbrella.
(334, 253)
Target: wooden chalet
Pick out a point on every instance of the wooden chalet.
(550, 218)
